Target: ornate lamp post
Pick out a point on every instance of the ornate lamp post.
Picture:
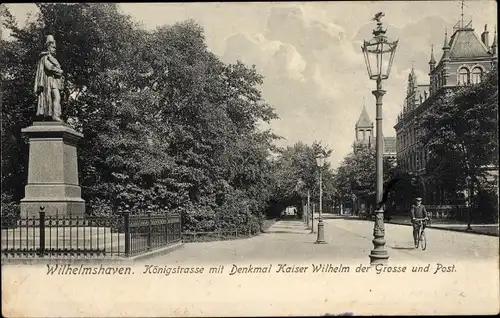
(468, 201)
(379, 54)
(320, 161)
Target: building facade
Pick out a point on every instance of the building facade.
(465, 59)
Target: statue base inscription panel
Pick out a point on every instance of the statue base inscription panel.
(52, 171)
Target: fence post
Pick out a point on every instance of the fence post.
(166, 228)
(42, 230)
(150, 229)
(126, 223)
(180, 227)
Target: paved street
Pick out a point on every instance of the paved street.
(348, 240)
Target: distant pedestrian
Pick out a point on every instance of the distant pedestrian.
(418, 211)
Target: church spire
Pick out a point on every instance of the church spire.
(364, 119)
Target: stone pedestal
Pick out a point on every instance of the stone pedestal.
(52, 171)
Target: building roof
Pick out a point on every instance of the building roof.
(389, 144)
(465, 44)
(364, 119)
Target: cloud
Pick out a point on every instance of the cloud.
(309, 54)
(314, 76)
(287, 61)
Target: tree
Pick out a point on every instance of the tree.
(356, 175)
(166, 123)
(461, 133)
(296, 173)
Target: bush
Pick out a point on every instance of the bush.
(10, 212)
(487, 205)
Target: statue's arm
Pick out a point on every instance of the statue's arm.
(51, 67)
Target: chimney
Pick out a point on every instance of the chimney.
(485, 36)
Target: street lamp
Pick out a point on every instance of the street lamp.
(320, 161)
(379, 54)
(468, 201)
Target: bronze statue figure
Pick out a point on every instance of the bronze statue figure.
(48, 82)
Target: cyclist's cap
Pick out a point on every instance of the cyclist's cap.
(418, 199)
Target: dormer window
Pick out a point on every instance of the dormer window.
(463, 76)
(477, 74)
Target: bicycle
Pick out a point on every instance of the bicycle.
(421, 239)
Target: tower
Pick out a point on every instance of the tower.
(445, 59)
(432, 62)
(364, 129)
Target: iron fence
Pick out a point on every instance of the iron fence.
(121, 235)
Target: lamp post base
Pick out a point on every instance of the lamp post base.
(321, 233)
(379, 254)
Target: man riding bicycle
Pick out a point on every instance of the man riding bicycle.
(417, 212)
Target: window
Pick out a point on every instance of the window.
(477, 74)
(463, 76)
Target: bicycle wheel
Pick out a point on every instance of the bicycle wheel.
(423, 243)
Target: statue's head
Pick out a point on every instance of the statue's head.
(50, 44)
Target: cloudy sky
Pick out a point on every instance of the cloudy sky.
(309, 53)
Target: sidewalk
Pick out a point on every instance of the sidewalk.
(451, 225)
(443, 224)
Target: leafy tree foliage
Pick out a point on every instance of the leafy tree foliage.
(461, 133)
(296, 173)
(167, 125)
(462, 136)
(356, 175)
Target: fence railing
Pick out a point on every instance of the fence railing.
(121, 235)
